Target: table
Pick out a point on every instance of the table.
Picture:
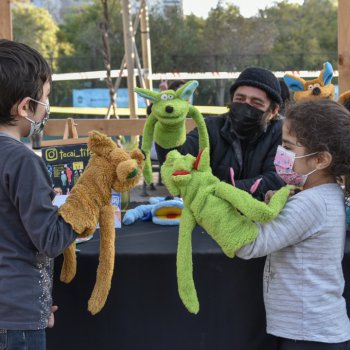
(144, 311)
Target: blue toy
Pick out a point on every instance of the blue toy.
(161, 211)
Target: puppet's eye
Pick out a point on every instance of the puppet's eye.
(164, 97)
(170, 97)
(310, 87)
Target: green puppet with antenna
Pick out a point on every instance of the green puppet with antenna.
(229, 215)
(166, 124)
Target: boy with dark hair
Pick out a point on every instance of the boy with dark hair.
(31, 232)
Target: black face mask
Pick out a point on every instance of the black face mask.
(246, 121)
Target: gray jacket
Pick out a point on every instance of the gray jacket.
(31, 234)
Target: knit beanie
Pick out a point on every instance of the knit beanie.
(260, 78)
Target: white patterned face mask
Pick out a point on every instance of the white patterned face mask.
(37, 127)
(284, 162)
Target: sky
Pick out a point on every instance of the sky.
(247, 8)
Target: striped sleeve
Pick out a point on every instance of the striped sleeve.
(299, 219)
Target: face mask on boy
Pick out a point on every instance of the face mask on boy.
(246, 120)
(284, 162)
(37, 127)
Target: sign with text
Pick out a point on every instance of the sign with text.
(65, 164)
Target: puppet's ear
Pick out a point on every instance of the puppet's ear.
(326, 73)
(294, 83)
(148, 94)
(202, 162)
(186, 91)
(100, 144)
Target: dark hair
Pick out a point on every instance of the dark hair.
(176, 84)
(323, 125)
(347, 104)
(285, 94)
(23, 72)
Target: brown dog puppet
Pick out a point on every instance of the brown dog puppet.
(319, 88)
(109, 168)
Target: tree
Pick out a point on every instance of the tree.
(82, 30)
(36, 28)
(307, 34)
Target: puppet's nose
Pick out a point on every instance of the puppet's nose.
(316, 91)
(169, 109)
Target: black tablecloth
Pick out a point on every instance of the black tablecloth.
(144, 311)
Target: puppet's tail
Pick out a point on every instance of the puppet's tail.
(69, 266)
(106, 262)
(184, 265)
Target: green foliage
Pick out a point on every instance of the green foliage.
(81, 28)
(307, 34)
(36, 28)
(283, 37)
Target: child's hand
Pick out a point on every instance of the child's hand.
(268, 196)
(292, 191)
(51, 321)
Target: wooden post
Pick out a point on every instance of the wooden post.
(5, 20)
(146, 45)
(130, 57)
(344, 45)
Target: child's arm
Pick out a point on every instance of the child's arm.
(298, 220)
(250, 207)
(30, 192)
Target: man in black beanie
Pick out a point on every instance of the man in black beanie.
(245, 139)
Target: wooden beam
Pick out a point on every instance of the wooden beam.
(110, 127)
(129, 41)
(5, 20)
(146, 45)
(344, 45)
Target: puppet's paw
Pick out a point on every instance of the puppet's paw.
(94, 306)
(191, 302)
(69, 266)
(147, 172)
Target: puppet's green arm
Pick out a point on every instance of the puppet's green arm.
(147, 138)
(201, 126)
(147, 134)
(184, 264)
(251, 207)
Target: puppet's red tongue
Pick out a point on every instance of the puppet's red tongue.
(181, 172)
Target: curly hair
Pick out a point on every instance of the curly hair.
(323, 125)
(23, 72)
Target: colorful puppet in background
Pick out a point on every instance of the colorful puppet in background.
(109, 168)
(166, 124)
(161, 210)
(319, 88)
(227, 213)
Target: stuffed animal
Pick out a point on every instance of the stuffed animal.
(319, 88)
(89, 202)
(227, 213)
(166, 124)
(164, 211)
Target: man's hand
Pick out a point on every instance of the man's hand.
(51, 321)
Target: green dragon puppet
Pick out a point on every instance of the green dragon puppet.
(227, 213)
(166, 124)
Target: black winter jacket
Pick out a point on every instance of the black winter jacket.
(254, 162)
